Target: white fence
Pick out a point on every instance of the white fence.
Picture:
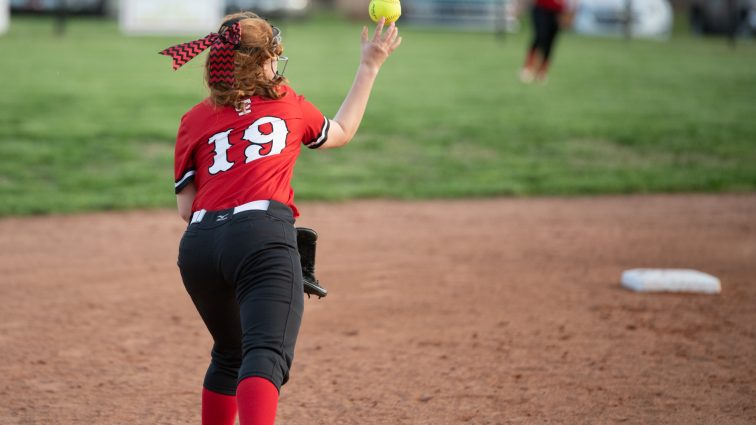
(493, 15)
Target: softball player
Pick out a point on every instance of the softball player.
(546, 16)
(234, 158)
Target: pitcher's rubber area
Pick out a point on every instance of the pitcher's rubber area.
(472, 311)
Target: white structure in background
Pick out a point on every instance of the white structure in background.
(165, 17)
(4, 14)
(649, 18)
(476, 15)
(272, 8)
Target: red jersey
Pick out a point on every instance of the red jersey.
(555, 5)
(238, 156)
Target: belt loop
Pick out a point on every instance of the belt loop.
(197, 216)
(262, 205)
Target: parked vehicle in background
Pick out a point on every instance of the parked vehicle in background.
(647, 18)
(84, 7)
(717, 17)
(272, 8)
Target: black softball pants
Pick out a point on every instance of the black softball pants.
(545, 28)
(243, 274)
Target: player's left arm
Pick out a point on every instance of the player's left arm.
(185, 199)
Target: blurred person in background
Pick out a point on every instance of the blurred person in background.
(548, 17)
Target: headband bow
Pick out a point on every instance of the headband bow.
(221, 60)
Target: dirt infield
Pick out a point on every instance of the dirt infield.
(503, 311)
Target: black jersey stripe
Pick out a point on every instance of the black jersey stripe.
(188, 177)
(323, 137)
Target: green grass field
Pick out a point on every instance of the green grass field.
(87, 121)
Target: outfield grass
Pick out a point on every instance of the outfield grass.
(87, 121)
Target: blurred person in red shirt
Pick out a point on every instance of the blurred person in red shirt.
(548, 17)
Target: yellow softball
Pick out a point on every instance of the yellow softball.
(389, 9)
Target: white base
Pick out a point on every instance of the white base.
(670, 280)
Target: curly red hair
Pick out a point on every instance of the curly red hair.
(258, 45)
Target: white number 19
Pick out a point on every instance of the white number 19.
(257, 140)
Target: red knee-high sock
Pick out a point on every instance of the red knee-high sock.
(218, 409)
(258, 400)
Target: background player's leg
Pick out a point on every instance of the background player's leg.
(550, 32)
(535, 53)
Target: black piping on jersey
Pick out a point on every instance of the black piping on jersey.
(188, 177)
(322, 137)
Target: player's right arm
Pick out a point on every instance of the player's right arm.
(184, 171)
(375, 51)
(184, 201)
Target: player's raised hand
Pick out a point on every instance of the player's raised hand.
(377, 49)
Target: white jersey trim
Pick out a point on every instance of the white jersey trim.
(184, 180)
(318, 142)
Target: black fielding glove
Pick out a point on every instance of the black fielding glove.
(306, 245)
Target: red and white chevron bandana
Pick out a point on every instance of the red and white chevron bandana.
(221, 59)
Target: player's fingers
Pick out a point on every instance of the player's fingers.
(364, 35)
(390, 33)
(391, 38)
(396, 44)
(379, 30)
